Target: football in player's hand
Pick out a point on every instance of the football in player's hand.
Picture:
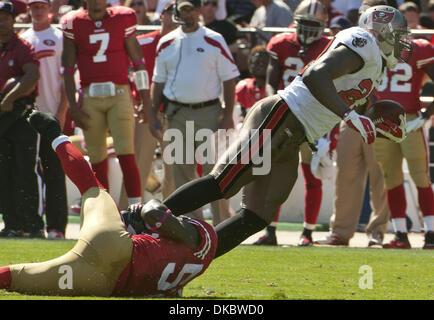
(384, 110)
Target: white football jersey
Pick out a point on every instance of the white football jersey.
(354, 89)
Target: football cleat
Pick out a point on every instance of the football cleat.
(305, 241)
(54, 234)
(331, 240)
(375, 239)
(266, 240)
(429, 240)
(399, 242)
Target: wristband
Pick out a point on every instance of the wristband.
(141, 80)
(140, 62)
(69, 70)
(159, 223)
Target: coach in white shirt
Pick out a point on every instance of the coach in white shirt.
(48, 45)
(193, 68)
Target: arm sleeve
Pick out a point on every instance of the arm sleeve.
(160, 70)
(425, 54)
(226, 67)
(67, 26)
(130, 23)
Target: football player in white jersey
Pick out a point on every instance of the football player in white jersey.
(326, 92)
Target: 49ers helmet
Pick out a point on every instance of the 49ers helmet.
(310, 19)
(389, 27)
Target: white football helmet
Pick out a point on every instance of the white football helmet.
(389, 27)
(310, 19)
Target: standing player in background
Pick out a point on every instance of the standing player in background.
(403, 83)
(290, 52)
(100, 41)
(144, 142)
(48, 44)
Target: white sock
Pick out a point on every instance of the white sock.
(273, 224)
(309, 226)
(59, 140)
(134, 200)
(429, 223)
(399, 225)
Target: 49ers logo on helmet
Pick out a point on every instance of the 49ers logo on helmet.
(382, 16)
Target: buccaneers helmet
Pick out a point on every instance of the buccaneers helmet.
(310, 19)
(389, 27)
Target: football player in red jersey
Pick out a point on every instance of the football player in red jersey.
(403, 83)
(101, 41)
(290, 52)
(144, 142)
(107, 260)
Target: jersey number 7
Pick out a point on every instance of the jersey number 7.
(104, 38)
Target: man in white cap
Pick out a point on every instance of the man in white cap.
(48, 44)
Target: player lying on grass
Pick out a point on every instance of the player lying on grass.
(324, 93)
(107, 260)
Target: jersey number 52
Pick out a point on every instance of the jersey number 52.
(189, 268)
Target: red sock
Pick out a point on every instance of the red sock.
(426, 201)
(76, 167)
(131, 175)
(5, 277)
(313, 195)
(277, 214)
(101, 173)
(397, 202)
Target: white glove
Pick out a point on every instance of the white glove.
(362, 124)
(392, 131)
(415, 124)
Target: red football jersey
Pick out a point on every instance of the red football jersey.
(247, 94)
(101, 54)
(148, 42)
(161, 267)
(286, 47)
(404, 82)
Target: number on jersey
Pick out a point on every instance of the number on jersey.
(189, 268)
(104, 38)
(399, 79)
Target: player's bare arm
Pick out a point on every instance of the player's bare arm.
(229, 99)
(25, 86)
(69, 58)
(156, 100)
(136, 56)
(273, 75)
(319, 77)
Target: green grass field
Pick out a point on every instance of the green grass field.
(271, 273)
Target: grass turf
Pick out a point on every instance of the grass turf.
(271, 273)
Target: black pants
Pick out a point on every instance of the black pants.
(19, 182)
(56, 208)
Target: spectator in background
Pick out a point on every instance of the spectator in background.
(144, 142)
(240, 11)
(51, 98)
(227, 29)
(270, 13)
(193, 68)
(331, 11)
(19, 184)
(412, 13)
(339, 23)
(139, 6)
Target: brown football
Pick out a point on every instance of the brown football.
(382, 110)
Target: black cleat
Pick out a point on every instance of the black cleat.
(266, 240)
(46, 124)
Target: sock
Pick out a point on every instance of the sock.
(236, 229)
(429, 223)
(101, 173)
(397, 202)
(313, 195)
(131, 174)
(271, 230)
(5, 277)
(309, 226)
(307, 233)
(74, 165)
(425, 198)
(193, 195)
(399, 225)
